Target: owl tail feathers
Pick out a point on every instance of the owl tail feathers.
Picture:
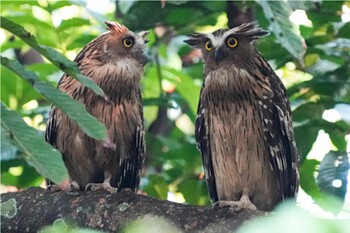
(116, 28)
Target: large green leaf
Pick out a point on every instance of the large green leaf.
(334, 168)
(45, 159)
(75, 110)
(308, 181)
(56, 5)
(277, 12)
(52, 55)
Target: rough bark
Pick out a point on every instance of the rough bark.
(31, 209)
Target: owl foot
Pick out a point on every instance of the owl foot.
(236, 206)
(127, 190)
(73, 187)
(100, 186)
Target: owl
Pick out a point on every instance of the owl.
(115, 61)
(243, 126)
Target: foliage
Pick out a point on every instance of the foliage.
(172, 81)
(72, 108)
(294, 219)
(35, 150)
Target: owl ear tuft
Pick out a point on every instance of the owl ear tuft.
(195, 39)
(116, 28)
(143, 34)
(251, 31)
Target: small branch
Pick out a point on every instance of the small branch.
(34, 208)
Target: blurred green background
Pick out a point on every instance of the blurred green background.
(309, 48)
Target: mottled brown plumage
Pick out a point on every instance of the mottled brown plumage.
(115, 61)
(244, 127)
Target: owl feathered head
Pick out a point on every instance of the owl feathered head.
(120, 43)
(116, 28)
(232, 45)
(248, 30)
(119, 30)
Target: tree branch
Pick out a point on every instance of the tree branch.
(31, 209)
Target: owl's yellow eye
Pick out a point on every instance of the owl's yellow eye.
(128, 42)
(232, 42)
(208, 45)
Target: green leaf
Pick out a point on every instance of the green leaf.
(74, 22)
(277, 12)
(45, 159)
(75, 110)
(58, 4)
(52, 55)
(185, 86)
(8, 150)
(337, 132)
(305, 136)
(345, 31)
(334, 167)
(308, 181)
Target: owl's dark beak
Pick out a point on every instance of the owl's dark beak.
(143, 60)
(219, 55)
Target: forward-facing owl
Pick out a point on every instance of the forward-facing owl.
(115, 61)
(244, 127)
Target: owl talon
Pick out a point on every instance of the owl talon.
(128, 190)
(73, 187)
(100, 186)
(236, 206)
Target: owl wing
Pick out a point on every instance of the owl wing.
(131, 166)
(51, 128)
(278, 134)
(140, 146)
(51, 134)
(203, 144)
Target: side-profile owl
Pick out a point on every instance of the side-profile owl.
(115, 61)
(244, 127)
